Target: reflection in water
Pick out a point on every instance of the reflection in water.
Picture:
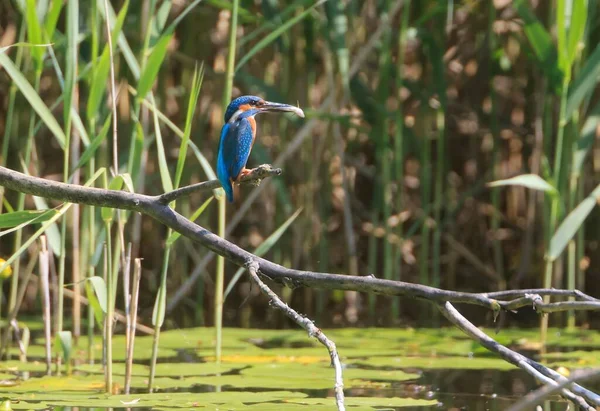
(269, 362)
(473, 390)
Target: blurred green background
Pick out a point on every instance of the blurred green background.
(412, 107)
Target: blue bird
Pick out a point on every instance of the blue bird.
(237, 137)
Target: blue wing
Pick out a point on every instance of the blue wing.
(234, 150)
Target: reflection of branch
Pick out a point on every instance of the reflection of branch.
(541, 394)
(575, 393)
(157, 208)
(309, 326)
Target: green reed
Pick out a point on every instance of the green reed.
(154, 61)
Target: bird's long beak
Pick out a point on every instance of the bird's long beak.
(269, 106)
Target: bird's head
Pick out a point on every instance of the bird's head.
(252, 105)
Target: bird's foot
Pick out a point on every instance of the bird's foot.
(245, 172)
(255, 175)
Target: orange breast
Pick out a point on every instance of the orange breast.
(253, 125)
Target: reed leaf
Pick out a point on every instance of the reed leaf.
(115, 184)
(65, 339)
(34, 33)
(158, 312)
(541, 43)
(585, 82)
(102, 68)
(586, 139)
(193, 100)
(135, 154)
(71, 60)
(204, 163)
(174, 236)
(262, 249)
(45, 226)
(165, 177)
(90, 151)
(33, 98)
(52, 18)
(531, 181)
(274, 35)
(155, 61)
(571, 224)
(20, 219)
(268, 24)
(95, 289)
(171, 28)
(22, 44)
(52, 233)
(338, 23)
(579, 14)
(130, 58)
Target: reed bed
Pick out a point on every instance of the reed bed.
(413, 109)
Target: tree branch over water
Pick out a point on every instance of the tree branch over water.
(309, 326)
(575, 392)
(157, 207)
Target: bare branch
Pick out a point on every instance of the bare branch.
(309, 326)
(541, 291)
(541, 394)
(541, 307)
(154, 207)
(575, 393)
(254, 177)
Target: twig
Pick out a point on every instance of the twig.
(531, 367)
(541, 291)
(22, 350)
(127, 295)
(44, 268)
(541, 307)
(254, 177)
(541, 394)
(309, 326)
(113, 94)
(137, 273)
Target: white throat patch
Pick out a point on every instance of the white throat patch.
(235, 116)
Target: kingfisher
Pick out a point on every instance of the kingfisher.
(238, 135)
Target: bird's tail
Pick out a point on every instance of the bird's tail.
(225, 179)
(228, 187)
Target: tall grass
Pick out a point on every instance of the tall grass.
(391, 100)
(227, 89)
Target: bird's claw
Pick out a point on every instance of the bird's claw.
(246, 171)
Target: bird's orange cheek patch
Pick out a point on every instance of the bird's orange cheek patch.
(245, 107)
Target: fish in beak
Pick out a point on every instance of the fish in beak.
(269, 106)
